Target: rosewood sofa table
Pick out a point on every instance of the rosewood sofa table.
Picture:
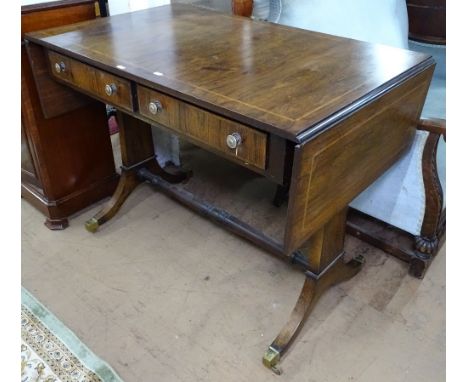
(282, 127)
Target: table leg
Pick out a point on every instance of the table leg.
(137, 149)
(127, 183)
(324, 252)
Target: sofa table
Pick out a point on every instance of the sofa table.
(282, 127)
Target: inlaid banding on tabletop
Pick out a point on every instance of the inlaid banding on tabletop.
(278, 79)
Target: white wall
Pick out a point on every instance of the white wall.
(116, 6)
(123, 6)
(377, 21)
(29, 2)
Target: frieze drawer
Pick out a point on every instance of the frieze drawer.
(97, 83)
(233, 139)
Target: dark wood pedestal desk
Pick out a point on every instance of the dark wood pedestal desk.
(282, 127)
(60, 130)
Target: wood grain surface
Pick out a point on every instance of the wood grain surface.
(55, 98)
(334, 168)
(276, 78)
(92, 81)
(67, 161)
(427, 20)
(206, 127)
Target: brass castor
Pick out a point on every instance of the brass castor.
(271, 359)
(314, 286)
(92, 225)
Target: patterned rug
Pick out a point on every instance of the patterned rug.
(50, 352)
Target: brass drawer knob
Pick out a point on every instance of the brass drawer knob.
(59, 67)
(233, 140)
(110, 89)
(155, 107)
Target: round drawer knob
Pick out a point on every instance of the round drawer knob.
(233, 140)
(59, 67)
(110, 89)
(154, 107)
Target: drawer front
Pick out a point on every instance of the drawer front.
(209, 129)
(105, 86)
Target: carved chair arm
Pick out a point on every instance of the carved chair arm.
(242, 7)
(433, 125)
(433, 226)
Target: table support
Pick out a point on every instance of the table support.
(136, 144)
(322, 255)
(324, 252)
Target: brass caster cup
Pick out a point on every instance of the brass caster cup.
(271, 359)
(92, 225)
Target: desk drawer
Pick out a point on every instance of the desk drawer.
(233, 139)
(107, 87)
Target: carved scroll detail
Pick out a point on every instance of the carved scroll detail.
(433, 226)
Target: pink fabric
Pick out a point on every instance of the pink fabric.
(113, 126)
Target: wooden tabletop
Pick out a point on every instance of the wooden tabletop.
(288, 81)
